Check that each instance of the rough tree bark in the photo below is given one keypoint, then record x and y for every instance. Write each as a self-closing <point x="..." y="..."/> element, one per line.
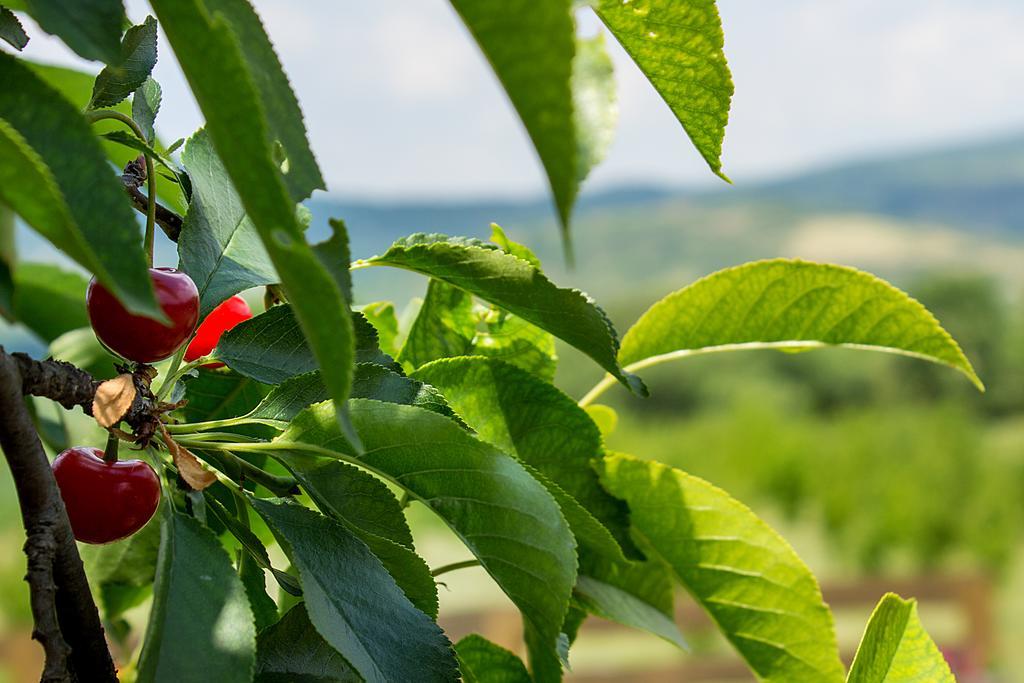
<point x="67" y="623"/>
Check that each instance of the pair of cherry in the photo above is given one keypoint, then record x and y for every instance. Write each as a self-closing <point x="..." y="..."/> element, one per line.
<point x="109" y="499"/>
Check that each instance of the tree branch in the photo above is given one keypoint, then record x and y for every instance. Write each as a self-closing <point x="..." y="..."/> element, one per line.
<point x="67" y="622"/>
<point x="133" y="177"/>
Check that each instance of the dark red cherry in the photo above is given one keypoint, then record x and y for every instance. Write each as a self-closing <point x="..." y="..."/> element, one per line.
<point x="105" y="501"/>
<point x="141" y="339"/>
<point x="220" y="320"/>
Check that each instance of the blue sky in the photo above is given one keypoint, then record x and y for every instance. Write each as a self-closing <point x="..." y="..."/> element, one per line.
<point x="399" y="102"/>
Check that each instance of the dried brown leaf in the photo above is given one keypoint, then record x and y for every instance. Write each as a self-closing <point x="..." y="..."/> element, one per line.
<point x="189" y="467"/>
<point x="113" y="399"/>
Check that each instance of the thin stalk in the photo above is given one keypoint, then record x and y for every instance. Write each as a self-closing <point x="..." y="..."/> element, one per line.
<point x="149" y="237"/>
<point x="464" y="564"/>
<point x="176" y="370"/>
<point x="196" y="428"/>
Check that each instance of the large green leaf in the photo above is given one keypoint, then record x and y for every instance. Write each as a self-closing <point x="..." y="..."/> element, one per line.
<point x="138" y="57"/>
<point x="678" y="46"/>
<point x="279" y="104"/>
<point x="11" y="30"/>
<point x="507" y="337"/>
<point x="53" y="173"/>
<point x="224" y="86"/>
<point x="354" y="603"/>
<point x="481" y="661"/>
<point x="752" y="584"/>
<point x="219" y="246"/>
<point x="49" y="300"/>
<point x="533" y="420"/>
<point x="216" y="395"/>
<point x="444" y="326"/>
<point x="372" y="512"/>
<point x="530" y="46"/>
<point x="896" y="648"/>
<point x="517" y="286"/>
<point x="503" y="515"/>
<point x="200" y="626"/>
<point x="92" y="28"/>
<point x="789" y="304"/>
<point x="292" y="651"/>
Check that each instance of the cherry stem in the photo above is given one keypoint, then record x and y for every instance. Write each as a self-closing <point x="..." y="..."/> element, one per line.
<point x="465" y="564"/>
<point x="148" y="239"/>
<point x="110" y="453"/>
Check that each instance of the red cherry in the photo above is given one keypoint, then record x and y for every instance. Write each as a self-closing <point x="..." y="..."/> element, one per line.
<point x="220" y="320"/>
<point x="138" y="338"/>
<point x="105" y="501"/>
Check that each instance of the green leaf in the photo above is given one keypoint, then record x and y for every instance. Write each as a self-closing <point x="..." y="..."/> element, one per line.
<point x="533" y="420"/>
<point x="615" y="604"/>
<point x="146" y="105"/>
<point x="365" y="505"/>
<point x="509" y="338"/>
<point x="748" y="579"/>
<point x="896" y="648"/>
<point x="354" y="603"/>
<point x="499" y="237"/>
<point x="216" y="395"/>
<point x="530" y="46"/>
<point x="789" y="304"/>
<point x="678" y="46"/>
<point x="335" y="256"/>
<point x="280" y="107"/>
<point x="215" y="65"/>
<point x="515" y="285"/>
<point x="504" y="516"/>
<point x="292" y="651"/>
<point x="92" y="28"/>
<point x="11" y="30"/>
<point x="381" y="314"/>
<point x="481" y="661"/>
<point x="81" y="348"/>
<point x="123" y="572"/>
<point x="597" y="111"/>
<point x="253" y="577"/>
<point x="200" y="626"/>
<point x="49" y="300"/>
<point x="444" y="326"/>
<point x="8" y="258"/>
<point x="138" y="57"/>
<point x="219" y="246"/>
<point x="53" y="172"/>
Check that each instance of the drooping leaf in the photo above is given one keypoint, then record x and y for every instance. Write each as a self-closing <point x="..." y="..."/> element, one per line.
<point x="789" y="304"/>
<point x="49" y="300"/>
<point x="53" y="173"/>
<point x="533" y="420"/>
<point x="292" y="651"/>
<point x="530" y="46"/>
<point x="678" y="46"/>
<point x="200" y="626"/>
<point x="481" y="661"/>
<point x="11" y="30"/>
<point x="280" y="107"/>
<point x="504" y="516"/>
<point x="366" y="506"/>
<point x="92" y="28"/>
<point x="354" y="603"/>
<point x="219" y="246"/>
<point x="896" y="648"/>
<point x="444" y="326"/>
<point x="749" y="580"/>
<point x="138" y="57"/>
<point x="595" y="103"/>
<point x="146" y="105"/>
<point x="236" y="120"/>
<point x="615" y="604"/>
<point x="507" y="281"/>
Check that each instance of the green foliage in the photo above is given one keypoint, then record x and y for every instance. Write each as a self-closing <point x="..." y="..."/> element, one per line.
<point x="791" y="305"/>
<point x="196" y="590"/>
<point x="481" y="661"/>
<point x="517" y="286"/>
<point x="138" y="57"/>
<point x="678" y="46"/>
<point x="146" y="105"/>
<point x="49" y="300"/>
<point x="293" y="651"/>
<point x="11" y="30"/>
<point x="49" y="169"/>
<point x="763" y="598"/>
<point x="92" y="28"/>
<point x="896" y="648"/>
<point x="616" y="604"/>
